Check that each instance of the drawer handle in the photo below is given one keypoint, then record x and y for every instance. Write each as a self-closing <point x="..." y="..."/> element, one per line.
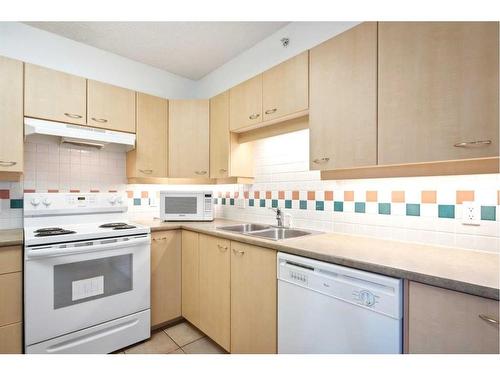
<point x="159" y="239"/>
<point x="146" y="171"/>
<point x="254" y="116"/>
<point x="238" y="252"/>
<point x="102" y="120"/>
<point x="200" y="173"/>
<point x="489" y="319"/>
<point x="222" y="248"/>
<point x="269" y="111"/>
<point x="222" y="170"/>
<point x="72" y="115"/>
<point x="473" y="144"/>
<point x="321" y="160"/>
<point x="7" y="163"/>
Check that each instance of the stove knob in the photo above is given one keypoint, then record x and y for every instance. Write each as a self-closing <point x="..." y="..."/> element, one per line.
<point x="367" y="298"/>
<point x="119" y="200"/>
<point x="112" y="200"/>
<point x="35" y="202"/>
<point x="47" y="202"/>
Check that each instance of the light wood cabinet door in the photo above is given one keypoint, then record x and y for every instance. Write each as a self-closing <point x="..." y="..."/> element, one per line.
<point x="191" y="277"/>
<point x="53" y="95"/>
<point x="149" y="158"/>
<point x="445" y="321"/>
<point x="253" y="299"/>
<point x="343" y="100"/>
<point x="11" y="339"/>
<point x="110" y="107"/>
<point x="285" y="87"/>
<point x="245" y="104"/>
<point x="219" y="136"/>
<point x="11" y="115"/>
<point x="438" y="89"/>
<point x="165" y="276"/>
<point x="10" y="298"/>
<point x="188" y="148"/>
<point x="215" y="289"/>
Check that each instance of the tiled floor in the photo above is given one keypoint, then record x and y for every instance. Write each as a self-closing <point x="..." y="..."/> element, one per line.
<point x="182" y="338"/>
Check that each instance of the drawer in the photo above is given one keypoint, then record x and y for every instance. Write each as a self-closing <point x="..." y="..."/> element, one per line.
<point x="10" y="259"/>
<point x="10" y="298"/>
<point x="11" y="339"/>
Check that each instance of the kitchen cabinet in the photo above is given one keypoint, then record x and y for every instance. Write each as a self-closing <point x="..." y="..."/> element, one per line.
<point x="253" y="299"/>
<point x="165" y="276"/>
<point x="11" y="300"/>
<point x="245" y="107"/>
<point x="343" y="100"/>
<point x="11" y="115"/>
<point x="228" y="158"/>
<point x="285" y="87"/>
<point x="53" y="95"/>
<point x="437" y="91"/>
<point x="110" y="107"/>
<point x="149" y="158"/>
<point x="215" y="292"/>
<point x="190" y="277"/>
<point x="445" y="321"/>
<point x="188" y="137"/>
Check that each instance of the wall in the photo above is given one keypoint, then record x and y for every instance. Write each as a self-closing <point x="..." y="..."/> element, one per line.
<point x="268" y="53"/>
<point x="26" y="43"/>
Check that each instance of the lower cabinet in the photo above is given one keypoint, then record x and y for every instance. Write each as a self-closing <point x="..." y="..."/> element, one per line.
<point x="445" y="321"/>
<point x="253" y="299"/>
<point x="11" y="300"/>
<point x="165" y="276"/>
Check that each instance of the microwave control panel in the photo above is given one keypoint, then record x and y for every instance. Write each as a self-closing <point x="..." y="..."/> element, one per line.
<point x="208" y="202"/>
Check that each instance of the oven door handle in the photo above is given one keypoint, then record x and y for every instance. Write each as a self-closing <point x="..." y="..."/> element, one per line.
<point x="53" y="252"/>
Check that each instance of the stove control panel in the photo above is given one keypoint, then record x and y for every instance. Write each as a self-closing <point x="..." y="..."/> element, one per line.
<point x="55" y="202"/>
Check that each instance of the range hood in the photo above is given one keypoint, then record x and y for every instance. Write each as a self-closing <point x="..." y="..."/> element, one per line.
<point x="80" y="135"/>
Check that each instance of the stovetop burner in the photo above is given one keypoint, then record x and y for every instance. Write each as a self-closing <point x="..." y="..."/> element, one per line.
<point x="125" y="226"/>
<point x="45" y="232"/>
<point x="112" y="225"/>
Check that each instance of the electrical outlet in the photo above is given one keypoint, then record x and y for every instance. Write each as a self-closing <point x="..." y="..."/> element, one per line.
<point x="470" y="213"/>
<point x="240" y="203"/>
<point x="152" y="201"/>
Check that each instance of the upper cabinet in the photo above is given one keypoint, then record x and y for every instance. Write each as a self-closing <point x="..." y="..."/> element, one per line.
<point x="149" y="158"/>
<point x="110" y="107"/>
<point x="343" y="108"/>
<point x="246" y="104"/>
<point x="280" y="92"/>
<point x="53" y="95"/>
<point x="188" y="139"/>
<point x="11" y="115"/>
<point x="228" y="158"/>
<point x="438" y="91"/>
<point x="285" y="88"/>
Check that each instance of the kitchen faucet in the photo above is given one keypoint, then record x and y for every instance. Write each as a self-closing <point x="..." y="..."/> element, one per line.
<point x="279" y="216"/>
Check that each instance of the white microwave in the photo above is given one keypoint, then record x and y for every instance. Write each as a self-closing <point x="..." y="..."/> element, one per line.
<point x="186" y="206"/>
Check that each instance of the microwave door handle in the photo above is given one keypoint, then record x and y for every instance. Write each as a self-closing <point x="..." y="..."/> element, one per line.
<point x="51" y="252"/>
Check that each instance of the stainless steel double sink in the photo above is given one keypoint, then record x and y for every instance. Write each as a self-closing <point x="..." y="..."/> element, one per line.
<point x="267" y="231"/>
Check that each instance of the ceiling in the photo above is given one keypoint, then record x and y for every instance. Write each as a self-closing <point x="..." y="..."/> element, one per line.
<point x="189" y="49"/>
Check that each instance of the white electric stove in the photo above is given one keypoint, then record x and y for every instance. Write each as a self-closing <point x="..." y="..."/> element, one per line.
<point x="86" y="275"/>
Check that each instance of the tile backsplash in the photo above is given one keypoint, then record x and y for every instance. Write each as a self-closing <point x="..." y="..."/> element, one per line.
<point x="419" y="209"/>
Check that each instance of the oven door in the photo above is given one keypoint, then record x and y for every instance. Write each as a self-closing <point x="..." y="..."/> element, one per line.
<point x="180" y="206"/>
<point x="69" y="287"/>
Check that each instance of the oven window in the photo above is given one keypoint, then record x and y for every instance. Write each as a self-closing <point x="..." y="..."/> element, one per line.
<point x="92" y="279"/>
<point x="180" y="205"/>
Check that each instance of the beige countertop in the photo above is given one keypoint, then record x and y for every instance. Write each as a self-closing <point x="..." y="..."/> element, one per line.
<point x="11" y="237"/>
<point x="462" y="270"/>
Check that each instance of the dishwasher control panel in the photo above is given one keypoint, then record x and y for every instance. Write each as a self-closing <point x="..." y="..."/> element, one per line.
<point x="368" y="290"/>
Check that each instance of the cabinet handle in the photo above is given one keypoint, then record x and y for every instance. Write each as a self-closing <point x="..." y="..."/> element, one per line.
<point x="159" y="239"/>
<point x="146" y="171"/>
<point x="473" y="143"/>
<point x="238" y="252"/>
<point x="489" y="319"/>
<point x="222" y="170"/>
<point x="254" y="116"/>
<point x="99" y="119"/>
<point x="222" y="248"/>
<point x="7" y="163"/>
<point x="72" y="115"/>
<point x="200" y="173"/>
<point x="321" y="160"/>
<point x="269" y="111"/>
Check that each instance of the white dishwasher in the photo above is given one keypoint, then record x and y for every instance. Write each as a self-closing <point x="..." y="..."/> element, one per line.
<point x="326" y="308"/>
